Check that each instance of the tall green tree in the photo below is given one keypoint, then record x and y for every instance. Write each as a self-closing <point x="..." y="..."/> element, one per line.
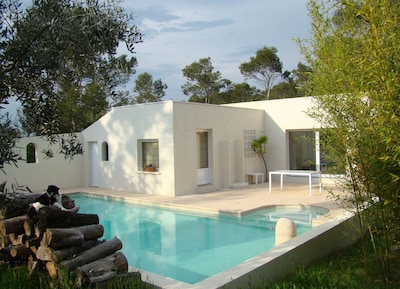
<point x="204" y="84"/>
<point x="265" y="68"/>
<point x="60" y="55"/>
<point x="354" y="53"/>
<point x="293" y="83"/>
<point x="148" y="90"/>
<point x="240" y="92"/>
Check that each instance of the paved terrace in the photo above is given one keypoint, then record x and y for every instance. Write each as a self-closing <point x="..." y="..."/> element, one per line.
<point x="234" y="201"/>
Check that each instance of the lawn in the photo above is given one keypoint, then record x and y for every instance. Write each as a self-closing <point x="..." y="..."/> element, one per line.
<point x="344" y="269"/>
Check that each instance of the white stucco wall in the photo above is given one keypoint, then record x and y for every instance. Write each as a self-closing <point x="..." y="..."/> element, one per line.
<point x="46" y="171"/>
<point x="226" y="126"/>
<point x="282" y="116"/>
<point x="175" y="125"/>
<point x="121" y="128"/>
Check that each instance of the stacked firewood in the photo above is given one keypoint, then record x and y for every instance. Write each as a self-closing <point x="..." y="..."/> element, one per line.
<point x="57" y="239"/>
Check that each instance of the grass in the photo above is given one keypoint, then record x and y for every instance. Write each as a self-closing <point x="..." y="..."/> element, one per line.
<point x="16" y="277"/>
<point x="344" y="269"/>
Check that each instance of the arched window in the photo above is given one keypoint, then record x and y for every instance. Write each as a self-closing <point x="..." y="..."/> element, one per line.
<point x="31" y="153"/>
<point x="104" y="152"/>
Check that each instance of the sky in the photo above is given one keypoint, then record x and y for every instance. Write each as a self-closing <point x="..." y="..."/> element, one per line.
<point x="180" y="32"/>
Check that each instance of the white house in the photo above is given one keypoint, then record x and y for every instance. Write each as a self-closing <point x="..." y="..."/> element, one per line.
<point x="191" y="147"/>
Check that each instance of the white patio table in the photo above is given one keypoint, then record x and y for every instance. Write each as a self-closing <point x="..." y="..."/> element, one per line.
<point x="308" y="174"/>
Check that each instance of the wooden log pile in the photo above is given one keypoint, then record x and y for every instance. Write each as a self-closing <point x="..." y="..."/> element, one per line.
<point x="57" y="239"/>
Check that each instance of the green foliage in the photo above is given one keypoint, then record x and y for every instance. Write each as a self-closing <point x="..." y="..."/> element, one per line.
<point x="203" y="83"/>
<point x="240" y="92"/>
<point x="148" y="90"/>
<point x="264" y="68"/>
<point x="293" y="84"/>
<point x="259" y="146"/>
<point x="354" y="54"/>
<point x="8" y="135"/>
<point x="63" y="55"/>
<point x="17" y="277"/>
<point x="58" y="59"/>
<point x="344" y="269"/>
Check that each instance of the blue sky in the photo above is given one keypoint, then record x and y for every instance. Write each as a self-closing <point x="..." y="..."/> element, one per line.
<point x="179" y="32"/>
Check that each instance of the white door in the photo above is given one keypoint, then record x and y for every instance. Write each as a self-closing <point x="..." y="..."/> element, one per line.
<point x="203" y="169"/>
<point x="94" y="164"/>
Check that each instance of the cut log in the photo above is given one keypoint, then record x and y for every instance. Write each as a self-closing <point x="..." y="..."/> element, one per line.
<point x="63" y="237"/>
<point x="32" y="242"/>
<point x="50" y="217"/>
<point x="102" y="269"/>
<point x="4" y="241"/>
<point x="5" y="254"/>
<point x="45" y="253"/>
<point x="13" y="225"/>
<point x="64" y="253"/>
<point x="20" y="252"/>
<point x="16" y="240"/>
<point x="32" y="265"/>
<point x="100" y="251"/>
<point x="52" y="269"/>
<point x="91" y="232"/>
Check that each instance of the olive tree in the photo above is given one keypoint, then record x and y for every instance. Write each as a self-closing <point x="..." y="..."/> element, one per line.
<point x="58" y="59"/>
<point x="353" y="50"/>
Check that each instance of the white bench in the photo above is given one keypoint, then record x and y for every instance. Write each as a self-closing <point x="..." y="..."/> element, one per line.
<point x="255" y="177"/>
<point x="308" y="174"/>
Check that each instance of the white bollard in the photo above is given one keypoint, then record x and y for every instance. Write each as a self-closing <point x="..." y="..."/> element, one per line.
<point x="284" y="231"/>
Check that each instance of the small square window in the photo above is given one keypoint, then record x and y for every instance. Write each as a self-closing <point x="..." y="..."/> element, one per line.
<point x="148" y="155"/>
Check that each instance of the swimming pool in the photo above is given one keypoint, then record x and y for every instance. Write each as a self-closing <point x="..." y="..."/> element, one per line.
<point x="190" y="247"/>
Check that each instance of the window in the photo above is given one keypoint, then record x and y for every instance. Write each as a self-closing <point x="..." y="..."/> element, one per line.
<point x="104" y="152"/>
<point x="148" y="155"/>
<point x="302" y="150"/>
<point x="31" y="153"/>
<point x="202" y="143"/>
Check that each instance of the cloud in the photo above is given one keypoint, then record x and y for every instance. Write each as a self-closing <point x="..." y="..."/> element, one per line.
<point x="178" y="33"/>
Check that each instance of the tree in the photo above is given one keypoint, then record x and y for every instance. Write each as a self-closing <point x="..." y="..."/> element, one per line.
<point x="265" y="68"/>
<point x="353" y="51"/>
<point x="293" y="84"/>
<point x="203" y="83"/>
<point x="60" y="55"/>
<point x="8" y="135"/>
<point x="240" y="92"/>
<point x="259" y="147"/>
<point x="148" y="90"/>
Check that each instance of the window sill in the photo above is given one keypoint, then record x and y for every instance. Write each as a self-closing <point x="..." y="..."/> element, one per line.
<point x="149" y="173"/>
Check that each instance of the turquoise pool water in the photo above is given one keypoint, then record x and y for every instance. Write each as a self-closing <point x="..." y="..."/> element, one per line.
<point x="189" y="247"/>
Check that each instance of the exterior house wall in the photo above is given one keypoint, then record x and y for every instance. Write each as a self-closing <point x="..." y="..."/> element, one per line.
<point x="282" y="116"/>
<point x="175" y="126"/>
<point x="45" y="171"/>
<point x="121" y="129"/>
<point x="226" y="130"/>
